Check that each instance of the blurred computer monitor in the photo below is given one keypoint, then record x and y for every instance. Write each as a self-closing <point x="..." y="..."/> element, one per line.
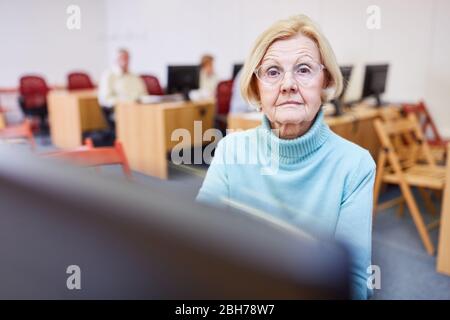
<point x="339" y="101"/>
<point x="182" y="79"/>
<point x="346" y="75"/>
<point x="132" y="241"/>
<point x="375" y="82"/>
<point x="236" y="68"/>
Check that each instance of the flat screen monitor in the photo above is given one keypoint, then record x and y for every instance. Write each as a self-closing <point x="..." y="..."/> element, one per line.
<point x="375" y="81"/>
<point x="346" y="75"/>
<point x="182" y="79"/>
<point x="236" y="69"/>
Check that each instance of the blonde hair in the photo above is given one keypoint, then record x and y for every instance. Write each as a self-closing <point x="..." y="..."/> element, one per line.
<point x="207" y="58"/>
<point x="283" y="29"/>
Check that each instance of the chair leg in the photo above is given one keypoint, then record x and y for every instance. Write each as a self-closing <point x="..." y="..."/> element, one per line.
<point x="417" y="218"/>
<point x="428" y="203"/>
<point x="378" y="180"/>
<point x="401" y="209"/>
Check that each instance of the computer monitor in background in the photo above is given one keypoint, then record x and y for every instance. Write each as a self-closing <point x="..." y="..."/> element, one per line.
<point x="63" y="228"/>
<point x="182" y="79"/>
<point x="339" y="101"/>
<point x="375" y="82"/>
<point x="236" y="68"/>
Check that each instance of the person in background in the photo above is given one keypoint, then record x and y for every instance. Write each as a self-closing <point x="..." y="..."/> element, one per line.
<point x="238" y="104"/>
<point x="118" y="84"/>
<point x="208" y="78"/>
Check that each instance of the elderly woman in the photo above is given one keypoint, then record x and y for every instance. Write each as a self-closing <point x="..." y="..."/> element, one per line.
<point x="321" y="182"/>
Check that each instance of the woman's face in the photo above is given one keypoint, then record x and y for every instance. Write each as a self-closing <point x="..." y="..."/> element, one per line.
<point x="209" y="67"/>
<point x="289" y="101"/>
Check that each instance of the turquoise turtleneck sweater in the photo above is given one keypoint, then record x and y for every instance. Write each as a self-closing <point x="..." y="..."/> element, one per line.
<point x="319" y="182"/>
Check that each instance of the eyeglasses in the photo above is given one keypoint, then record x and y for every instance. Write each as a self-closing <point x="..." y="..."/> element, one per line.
<point x="304" y="73"/>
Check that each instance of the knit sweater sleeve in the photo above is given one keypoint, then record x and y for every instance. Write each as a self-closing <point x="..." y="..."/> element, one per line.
<point x="354" y="226"/>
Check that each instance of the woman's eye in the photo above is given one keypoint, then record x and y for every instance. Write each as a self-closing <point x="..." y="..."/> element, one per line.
<point x="303" y="69"/>
<point x="272" y="72"/>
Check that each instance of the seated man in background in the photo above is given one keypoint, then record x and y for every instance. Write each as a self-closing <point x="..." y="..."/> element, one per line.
<point x="237" y="103"/>
<point x="119" y="85"/>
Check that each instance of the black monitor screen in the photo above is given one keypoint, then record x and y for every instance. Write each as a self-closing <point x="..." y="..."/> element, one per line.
<point x="182" y="79"/>
<point x="236" y="69"/>
<point x="375" y="81"/>
<point x="346" y="74"/>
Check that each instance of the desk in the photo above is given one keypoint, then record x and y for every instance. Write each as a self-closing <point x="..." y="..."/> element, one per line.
<point x="355" y="125"/>
<point x="70" y="114"/>
<point x="2" y="120"/>
<point x="145" y="131"/>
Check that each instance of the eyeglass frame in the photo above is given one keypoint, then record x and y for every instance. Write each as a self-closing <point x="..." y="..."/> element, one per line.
<point x="322" y="67"/>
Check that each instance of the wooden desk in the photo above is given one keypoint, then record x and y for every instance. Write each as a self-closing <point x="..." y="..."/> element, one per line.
<point x="2" y="120"/>
<point x="72" y="113"/>
<point x="355" y="125"/>
<point x="145" y="131"/>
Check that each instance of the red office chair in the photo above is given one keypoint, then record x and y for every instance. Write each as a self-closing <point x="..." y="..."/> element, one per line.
<point x="33" y="98"/>
<point x="223" y="98"/>
<point x="152" y="84"/>
<point x="79" y="81"/>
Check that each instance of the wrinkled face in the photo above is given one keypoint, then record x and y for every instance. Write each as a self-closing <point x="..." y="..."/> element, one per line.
<point x="294" y="98"/>
<point x="123" y="60"/>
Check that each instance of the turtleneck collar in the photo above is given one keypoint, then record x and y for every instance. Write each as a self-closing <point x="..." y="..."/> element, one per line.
<point x="293" y="150"/>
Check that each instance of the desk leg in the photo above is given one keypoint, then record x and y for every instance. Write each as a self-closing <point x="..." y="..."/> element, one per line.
<point x="443" y="257"/>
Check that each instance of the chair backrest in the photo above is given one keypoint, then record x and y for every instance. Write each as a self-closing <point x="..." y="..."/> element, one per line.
<point x="223" y="96"/>
<point x="425" y="119"/>
<point x="89" y="156"/>
<point x="152" y="85"/>
<point x="403" y="140"/>
<point x="33" y="90"/>
<point x="21" y="131"/>
<point x="79" y="81"/>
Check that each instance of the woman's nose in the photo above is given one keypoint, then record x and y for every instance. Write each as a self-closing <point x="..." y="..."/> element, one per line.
<point x="288" y="83"/>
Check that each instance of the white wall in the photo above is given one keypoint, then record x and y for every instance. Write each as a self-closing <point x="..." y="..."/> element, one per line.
<point x="413" y="38"/>
<point x="437" y="83"/>
<point x="34" y="38"/>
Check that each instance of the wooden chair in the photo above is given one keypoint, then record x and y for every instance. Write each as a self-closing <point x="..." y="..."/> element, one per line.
<point x="437" y="144"/>
<point x="89" y="156"/>
<point x="399" y="163"/>
<point x="439" y="153"/>
<point x="19" y="133"/>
